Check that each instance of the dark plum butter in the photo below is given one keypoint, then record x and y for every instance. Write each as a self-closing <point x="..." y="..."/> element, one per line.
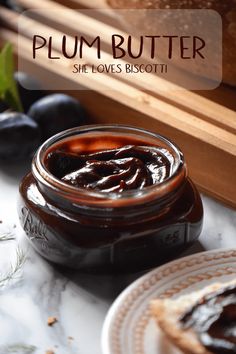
<point x="213" y="319"/>
<point x="115" y="170"/>
<point x="109" y="198"/>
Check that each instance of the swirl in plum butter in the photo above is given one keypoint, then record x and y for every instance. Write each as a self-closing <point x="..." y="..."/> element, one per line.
<point x="214" y="320"/>
<point x="114" y="170"/>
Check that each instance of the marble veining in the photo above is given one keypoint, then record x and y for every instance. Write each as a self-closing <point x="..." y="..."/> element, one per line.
<point x="79" y="301"/>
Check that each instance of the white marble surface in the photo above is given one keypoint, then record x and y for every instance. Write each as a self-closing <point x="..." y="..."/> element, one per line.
<point x="80" y="302"/>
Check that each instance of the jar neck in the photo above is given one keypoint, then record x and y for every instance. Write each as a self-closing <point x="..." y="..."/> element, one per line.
<point x="97" y="203"/>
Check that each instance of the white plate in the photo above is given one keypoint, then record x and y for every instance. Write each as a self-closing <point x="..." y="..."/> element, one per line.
<point x="129" y="327"/>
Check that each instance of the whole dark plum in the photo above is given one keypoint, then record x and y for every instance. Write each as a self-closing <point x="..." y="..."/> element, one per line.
<point x="12" y="4"/>
<point x="19" y="136"/>
<point x="3" y="106"/>
<point x="4" y="3"/>
<point x="57" y="112"/>
<point x="31" y="95"/>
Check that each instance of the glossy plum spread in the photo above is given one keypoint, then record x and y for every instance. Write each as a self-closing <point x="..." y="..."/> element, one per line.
<point x="114" y="170"/>
<point x="214" y="320"/>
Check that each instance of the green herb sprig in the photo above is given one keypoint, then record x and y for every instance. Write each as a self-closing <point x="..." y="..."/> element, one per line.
<point x="8" y="87"/>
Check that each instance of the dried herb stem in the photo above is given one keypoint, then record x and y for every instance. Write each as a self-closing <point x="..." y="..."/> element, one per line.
<point x="7" y="236"/>
<point x="18" y="349"/>
<point x="15" y="268"/>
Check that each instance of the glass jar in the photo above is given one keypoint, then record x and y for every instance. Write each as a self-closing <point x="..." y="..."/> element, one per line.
<point x="97" y="231"/>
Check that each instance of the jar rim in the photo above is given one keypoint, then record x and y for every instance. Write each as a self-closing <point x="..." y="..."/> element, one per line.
<point x="43" y="175"/>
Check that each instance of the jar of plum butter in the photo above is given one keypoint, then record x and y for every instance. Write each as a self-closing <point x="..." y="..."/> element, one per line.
<point x="109" y="198"/>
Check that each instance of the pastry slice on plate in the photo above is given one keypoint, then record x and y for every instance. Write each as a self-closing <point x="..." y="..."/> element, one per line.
<point x="202" y="322"/>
